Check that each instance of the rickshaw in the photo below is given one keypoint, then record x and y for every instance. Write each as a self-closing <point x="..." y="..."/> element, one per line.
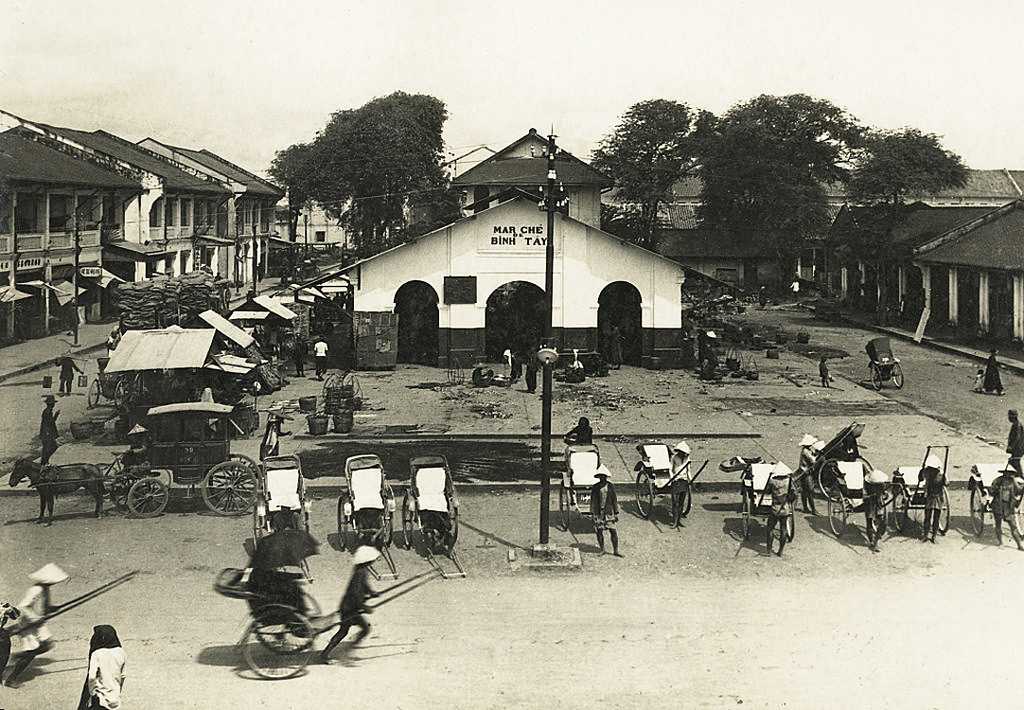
<point x="883" y="365"/>
<point x="983" y="475"/>
<point x="279" y="486"/>
<point x="842" y="447"/>
<point x="582" y="464"/>
<point x="366" y="508"/>
<point x="754" y="490"/>
<point x="909" y="494"/>
<point x="117" y="388"/>
<point x="654" y="478"/>
<point x="189" y="445"/>
<point x="431" y="509"/>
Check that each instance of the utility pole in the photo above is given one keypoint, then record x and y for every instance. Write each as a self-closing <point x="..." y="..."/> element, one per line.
<point x="551" y="203"/>
<point x="74" y="275"/>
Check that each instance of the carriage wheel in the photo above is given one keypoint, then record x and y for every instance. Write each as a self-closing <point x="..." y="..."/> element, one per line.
<point x="563" y="508"/>
<point x="277" y="646"/>
<point x="408" y="521"/>
<point x="897" y="376"/>
<point x="837" y="516"/>
<point x="896" y="508"/>
<point x="907" y="514"/>
<point x="790" y="527"/>
<point x="229" y="488"/>
<point x="147" y="498"/>
<point x="341" y="519"/>
<point x="121" y="393"/>
<point x="977" y="511"/>
<point x="644" y="490"/>
<point x="92" y="397"/>
<point x="876" y="376"/>
<point x="944" y="513"/>
<point x="747" y="511"/>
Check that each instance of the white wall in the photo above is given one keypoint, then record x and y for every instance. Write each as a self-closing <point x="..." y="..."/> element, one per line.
<point x="586" y="260"/>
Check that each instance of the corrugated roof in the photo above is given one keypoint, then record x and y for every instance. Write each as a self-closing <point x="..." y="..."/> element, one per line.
<point x="24" y="159"/>
<point x="993" y="244"/>
<point x="499" y="169"/>
<point x="226" y="328"/>
<point x="686" y="244"/>
<point x="253" y="183"/>
<point x="170" y="348"/>
<point x="175" y="178"/>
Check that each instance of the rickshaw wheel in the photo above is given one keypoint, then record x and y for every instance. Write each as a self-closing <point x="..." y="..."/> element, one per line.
<point x="277" y="647"/>
<point x="341" y="519"/>
<point x="746" y="510"/>
<point x="92" y="397"/>
<point x="563" y="508"/>
<point x="831" y="494"/>
<point x="837" y="516"/>
<point x="896" y="510"/>
<point x="408" y="521"/>
<point x="944" y="513"/>
<point x="455" y="531"/>
<point x="147" y="498"/>
<point x="790" y="527"/>
<point x="897" y="376"/>
<point x="644" y="491"/>
<point x="387" y="528"/>
<point x="977" y="511"/>
<point x="229" y="488"/>
<point x="876" y="376"/>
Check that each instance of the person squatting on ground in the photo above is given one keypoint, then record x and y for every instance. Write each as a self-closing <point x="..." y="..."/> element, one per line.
<point x="804" y="470"/>
<point x="604" y="507"/>
<point x="68" y="368"/>
<point x="353" y="603"/>
<point x="33" y="608"/>
<point x="104" y="680"/>
<point x="1015" y="442"/>
<point x="680" y="476"/>
<point x="874" y="509"/>
<point x="48" y="430"/>
<point x="934" y="485"/>
<point x="1006" y="493"/>
<point x="780" y="485"/>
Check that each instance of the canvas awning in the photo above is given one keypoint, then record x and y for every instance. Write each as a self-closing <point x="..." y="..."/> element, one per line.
<point x="172" y="348"/>
<point x="104" y="279"/>
<point x="249" y="315"/>
<point x="41" y="285"/>
<point x="64" y="291"/>
<point x="232" y="364"/>
<point x="9" y="294"/>
<point x="197" y="407"/>
<point x="124" y="250"/>
<point x="226" y="328"/>
<point x="274" y="307"/>
<point x="214" y="241"/>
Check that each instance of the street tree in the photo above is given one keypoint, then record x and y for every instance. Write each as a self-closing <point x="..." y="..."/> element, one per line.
<point x="371" y="160"/>
<point x="892" y="166"/>
<point x="765" y="167"/>
<point x="655" y="144"/>
<point x="294" y="169"/>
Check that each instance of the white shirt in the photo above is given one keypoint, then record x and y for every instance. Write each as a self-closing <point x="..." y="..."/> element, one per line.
<point x="320" y="349"/>
<point x="106" y="676"/>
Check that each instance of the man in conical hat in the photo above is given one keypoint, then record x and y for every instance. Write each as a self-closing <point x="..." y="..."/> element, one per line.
<point x="934" y="480"/>
<point x="33" y="608"/>
<point x="780" y="487"/>
<point x="353" y="603"/>
<point x="804" y="472"/>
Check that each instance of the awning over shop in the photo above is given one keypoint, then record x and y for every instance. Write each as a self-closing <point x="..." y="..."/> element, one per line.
<point x="249" y="315"/>
<point x="105" y="279"/>
<point x="65" y="290"/>
<point x="123" y="250"/>
<point x="9" y="294"/>
<point x="226" y="328"/>
<point x="42" y="286"/>
<point x="278" y="243"/>
<point x="274" y="307"/>
<point x="213" y="241"/>
<point x="172" y="348"/>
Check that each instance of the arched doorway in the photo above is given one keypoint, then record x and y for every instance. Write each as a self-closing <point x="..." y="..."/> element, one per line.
<point x="618" y="308"/>
<point x="514" y="319"/>
<point x="416" y="307"/>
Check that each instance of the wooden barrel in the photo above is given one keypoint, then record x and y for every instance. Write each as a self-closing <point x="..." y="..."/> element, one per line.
<point x="343" y="421"/>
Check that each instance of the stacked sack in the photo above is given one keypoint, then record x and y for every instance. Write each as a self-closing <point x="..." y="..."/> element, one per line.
<point x="165" y="301"/>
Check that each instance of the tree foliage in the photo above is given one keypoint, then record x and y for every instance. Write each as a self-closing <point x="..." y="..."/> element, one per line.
<point x="765" y="168"/>
<point x="294" y="169"/>
<point x="375" y="168"/>
<point x="655" y="144"/>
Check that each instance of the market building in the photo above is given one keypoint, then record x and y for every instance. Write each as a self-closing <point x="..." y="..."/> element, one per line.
<point x="472" y="289"/>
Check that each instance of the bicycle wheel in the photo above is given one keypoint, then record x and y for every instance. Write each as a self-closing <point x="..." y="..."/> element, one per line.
<point x="977" y="511"/>
<point x="837" y="516"/>
<point x="644" y="491"/>
<point x="277" y="644"/>
<point x="897" y="376"/>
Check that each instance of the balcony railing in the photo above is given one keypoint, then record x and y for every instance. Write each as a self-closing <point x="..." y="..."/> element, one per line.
<point x="61" y="240"/>
<point x="156" y="234"/>
<point x="89" y="238"/>
<point x="30" y="242"/>
<point x="5" y="244"/>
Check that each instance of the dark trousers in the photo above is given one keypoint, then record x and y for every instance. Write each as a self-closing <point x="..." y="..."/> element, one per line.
<point x="300" y="365"/>
<point x="49" y="447"/>
<point x="997" y="515"/>
<point x="348" y="620"/>
<point x="531" y="379"/>
<point x="807" y="494"/>
<point x="774" y="520"/>
<point x="613" y="533"/>
<point x="516" y="371"/>
<point x="824" y="381"/>
<point x="65" y="385"/>
<point x="5" y="651"/>
<point x="874" y="521"/>
<point x="321" y="365"/>
<point x="931" y="517"/>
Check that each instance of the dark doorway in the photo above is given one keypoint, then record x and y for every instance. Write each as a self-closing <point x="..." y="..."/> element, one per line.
<point x="514" y="319"/>
<point x="1000" y="304"/>
<point x="618" y="308"/>
<point x="967" y="297"/>
<point x="416" y="306"/>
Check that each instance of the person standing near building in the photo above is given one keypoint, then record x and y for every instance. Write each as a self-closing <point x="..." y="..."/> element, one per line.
<point x="604" y="508"/>
<point x="48" y="430"/>
<point x="1006" y="492"/>
<point x="320" y="357"/>
<point x="68" y="368"/>
<point x="300" y="350"/>
<point x="614" y="347"/>
<point x="353" y="603"/>
<point x="104" y="680"/>
<point x="1015" y="442"/>
<point x="993" y="382"/>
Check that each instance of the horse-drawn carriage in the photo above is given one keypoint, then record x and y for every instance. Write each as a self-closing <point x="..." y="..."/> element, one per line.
<point x="189" y="445"/>
<point x="882" y="364"/>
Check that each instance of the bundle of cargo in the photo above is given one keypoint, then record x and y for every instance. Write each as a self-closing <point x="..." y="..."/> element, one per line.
<point x="164" y="301"/>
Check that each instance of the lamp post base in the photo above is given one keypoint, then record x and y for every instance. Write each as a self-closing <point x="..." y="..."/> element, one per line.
<point x="545" y="557"/>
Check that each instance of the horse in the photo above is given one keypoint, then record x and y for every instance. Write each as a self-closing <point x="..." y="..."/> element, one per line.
<point x="51" y="481"/>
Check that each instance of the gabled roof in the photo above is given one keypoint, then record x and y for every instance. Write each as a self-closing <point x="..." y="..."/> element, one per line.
<point x="174" y="177"/>
<point x="504" y="169"/>
<point x="992" y="241"/>
<point x="919" y="223"/>
<point x="253" y="183"/>
<point x="23" y="159"/>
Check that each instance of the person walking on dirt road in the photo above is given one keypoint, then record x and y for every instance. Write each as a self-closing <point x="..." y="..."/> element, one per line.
<point x="1006" y="493"/>
<point x="353" y="603"/>
<point x="1015" y="442"/>
<point x="604" y="507"/>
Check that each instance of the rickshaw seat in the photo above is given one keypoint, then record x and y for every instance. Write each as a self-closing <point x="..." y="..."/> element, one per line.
<point x="430" y="483"/>
<point x="658" y="457"/>
<point x="760" y="473"/>
<point x="987" y="472"/>
<point x="583" y="467"/>
<point x="283" y="488"/>
<point x="366" y="485"/>
<point x="853" y="474"/>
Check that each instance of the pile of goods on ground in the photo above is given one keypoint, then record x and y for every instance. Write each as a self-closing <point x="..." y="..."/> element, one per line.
<point x="174" y="300"/>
